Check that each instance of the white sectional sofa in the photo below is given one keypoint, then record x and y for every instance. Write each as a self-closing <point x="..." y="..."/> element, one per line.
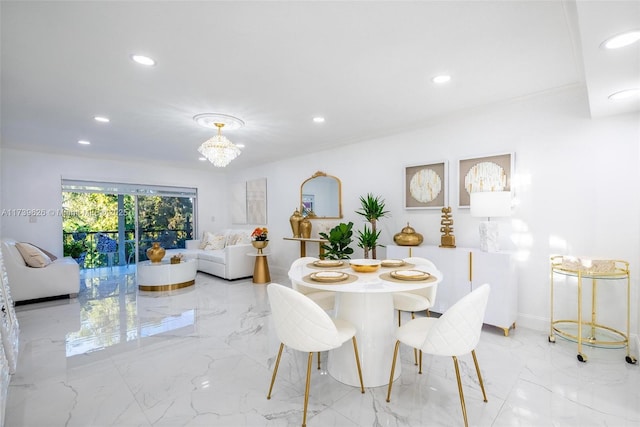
<point x="223" y="254"/>
<point x="59" y="277"/>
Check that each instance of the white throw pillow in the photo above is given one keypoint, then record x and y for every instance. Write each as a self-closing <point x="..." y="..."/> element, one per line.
<point x="33" y="256"/>
<point x="215" y="242"/>
<point x="203" y="241"/>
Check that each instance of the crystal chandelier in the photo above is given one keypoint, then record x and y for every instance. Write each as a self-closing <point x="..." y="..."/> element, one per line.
<point x="219" y="150"/>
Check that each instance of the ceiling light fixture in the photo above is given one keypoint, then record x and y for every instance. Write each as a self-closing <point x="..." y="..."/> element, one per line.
<point x="83" y="142"/>
<point x="622" y="40"/>
<point x="143" y="60"/>
<point x="624" y="94"/>
<point x="441" y="79"/>
<point x="101" y="119"/>
<point x="318" y="119"/>
<point x="219" y="150"/>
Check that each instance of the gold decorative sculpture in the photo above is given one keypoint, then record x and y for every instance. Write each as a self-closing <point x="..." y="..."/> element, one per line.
<point x="447" y="240"/>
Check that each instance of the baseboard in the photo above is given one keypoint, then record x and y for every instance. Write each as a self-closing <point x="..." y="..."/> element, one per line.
<point x="536" y="323"/>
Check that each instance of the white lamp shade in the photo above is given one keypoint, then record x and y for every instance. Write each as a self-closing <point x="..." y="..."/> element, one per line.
<point x="490" y="204"/>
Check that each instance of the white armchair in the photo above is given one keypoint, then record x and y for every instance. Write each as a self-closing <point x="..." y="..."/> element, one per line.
<point x="61" y="277"/>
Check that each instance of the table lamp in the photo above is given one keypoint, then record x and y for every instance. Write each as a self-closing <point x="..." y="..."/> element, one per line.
<point x="490" y="204"/>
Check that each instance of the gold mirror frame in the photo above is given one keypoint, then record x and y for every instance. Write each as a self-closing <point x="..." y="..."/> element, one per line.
<point x="329" y="197"/>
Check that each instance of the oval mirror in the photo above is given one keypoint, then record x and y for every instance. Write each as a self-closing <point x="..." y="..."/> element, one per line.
<point x="321" y="196"/>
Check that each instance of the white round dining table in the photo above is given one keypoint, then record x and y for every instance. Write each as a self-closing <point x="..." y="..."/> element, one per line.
<point x="366" y="301"/>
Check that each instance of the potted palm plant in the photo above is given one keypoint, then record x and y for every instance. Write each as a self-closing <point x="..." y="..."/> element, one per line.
<point x="372" y="209"/>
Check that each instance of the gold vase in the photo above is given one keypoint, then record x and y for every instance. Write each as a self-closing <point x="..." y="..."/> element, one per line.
<point x="259" y="244"/>
<point x="408" y="237"/>
<point x="155" y="253"/>
<point x="305" y="228"/>
<point x="294" y="220"/>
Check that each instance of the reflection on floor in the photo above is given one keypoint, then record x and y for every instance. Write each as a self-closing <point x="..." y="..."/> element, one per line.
<point x="204" y="355"/>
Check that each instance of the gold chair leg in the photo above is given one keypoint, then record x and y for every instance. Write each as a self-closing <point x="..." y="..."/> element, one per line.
<point x="275" y="370"/>
<point x="420" y="365"/>
<point x="475" y="360"/>
<point x="318" y="361"/>
<point x="393" y="369"/>
<point x="415" y="350"/>
<point x="306" y="389"/>
<point x="464" y="409"/>
<point x="355" y="350"/>
<point x="399" y="318"/>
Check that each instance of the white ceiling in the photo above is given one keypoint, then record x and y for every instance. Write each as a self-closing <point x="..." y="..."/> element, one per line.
<point x="364" y="66"/>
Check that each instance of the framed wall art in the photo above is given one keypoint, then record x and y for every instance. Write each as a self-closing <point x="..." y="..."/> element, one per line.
<point x="257" y="201"/>
<point x="249" y="202"/>
<point x="426" y="186"/>
<point x="489" y="173"/>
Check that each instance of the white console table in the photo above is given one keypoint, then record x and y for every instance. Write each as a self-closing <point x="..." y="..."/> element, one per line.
<point x="465" y="269"/>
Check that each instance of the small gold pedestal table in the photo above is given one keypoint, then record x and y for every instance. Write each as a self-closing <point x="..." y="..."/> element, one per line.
<point x="261" y="267"/>
<point x="596" y="334"/>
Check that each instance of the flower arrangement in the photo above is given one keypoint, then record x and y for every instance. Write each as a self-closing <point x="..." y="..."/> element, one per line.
<point x="260" y="234"/>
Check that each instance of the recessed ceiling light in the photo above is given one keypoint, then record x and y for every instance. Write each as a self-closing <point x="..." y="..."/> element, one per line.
<point x="240" y="145"/>
<point x="143" y="60"/>
<point x="202" y="159"/>
<point x="441" y="79"/>
<point x="318" y="119"/>
<point x="83" y="142"/>
<point x="101" y="119"/>
<point x="624" y="94"/>
<point x="622" y="40"/>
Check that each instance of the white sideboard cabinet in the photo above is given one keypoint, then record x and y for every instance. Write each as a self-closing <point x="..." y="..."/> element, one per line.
<point x="465" y="269"/>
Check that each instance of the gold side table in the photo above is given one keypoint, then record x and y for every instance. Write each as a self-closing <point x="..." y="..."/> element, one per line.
<point x="261" y="274"/>
<point x="596" y="333"/>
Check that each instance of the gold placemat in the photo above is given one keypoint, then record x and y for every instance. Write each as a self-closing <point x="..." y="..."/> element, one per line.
<point x="388" y="278"/>
<point x="405" y="266"/>
<point x="349" y="279"/>
<point x="328" y="267"/>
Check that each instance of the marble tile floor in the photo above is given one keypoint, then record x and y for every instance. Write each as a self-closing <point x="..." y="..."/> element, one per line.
<point x="203" y="356"/>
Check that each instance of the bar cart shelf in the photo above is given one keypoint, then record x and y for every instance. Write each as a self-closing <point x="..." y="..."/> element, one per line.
<point x="585" y="331"/>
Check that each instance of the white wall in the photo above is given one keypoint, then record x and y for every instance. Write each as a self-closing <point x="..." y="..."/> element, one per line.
<point x="574" y="190"/>
<point x="33" y="181"/>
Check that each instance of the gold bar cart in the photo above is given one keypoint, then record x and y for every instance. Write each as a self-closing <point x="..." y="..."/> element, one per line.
<point x="595" y="270"/>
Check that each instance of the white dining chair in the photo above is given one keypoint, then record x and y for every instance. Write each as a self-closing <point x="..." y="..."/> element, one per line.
<point x="455" y="333"/>
<point x="303" y="325"/>
<point x="418" y="300"/>
<point x="325" y="299"/>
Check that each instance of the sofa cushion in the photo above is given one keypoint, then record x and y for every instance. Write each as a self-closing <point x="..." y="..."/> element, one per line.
<point x="216" y="256"/>
<point x="33" y="256"/>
